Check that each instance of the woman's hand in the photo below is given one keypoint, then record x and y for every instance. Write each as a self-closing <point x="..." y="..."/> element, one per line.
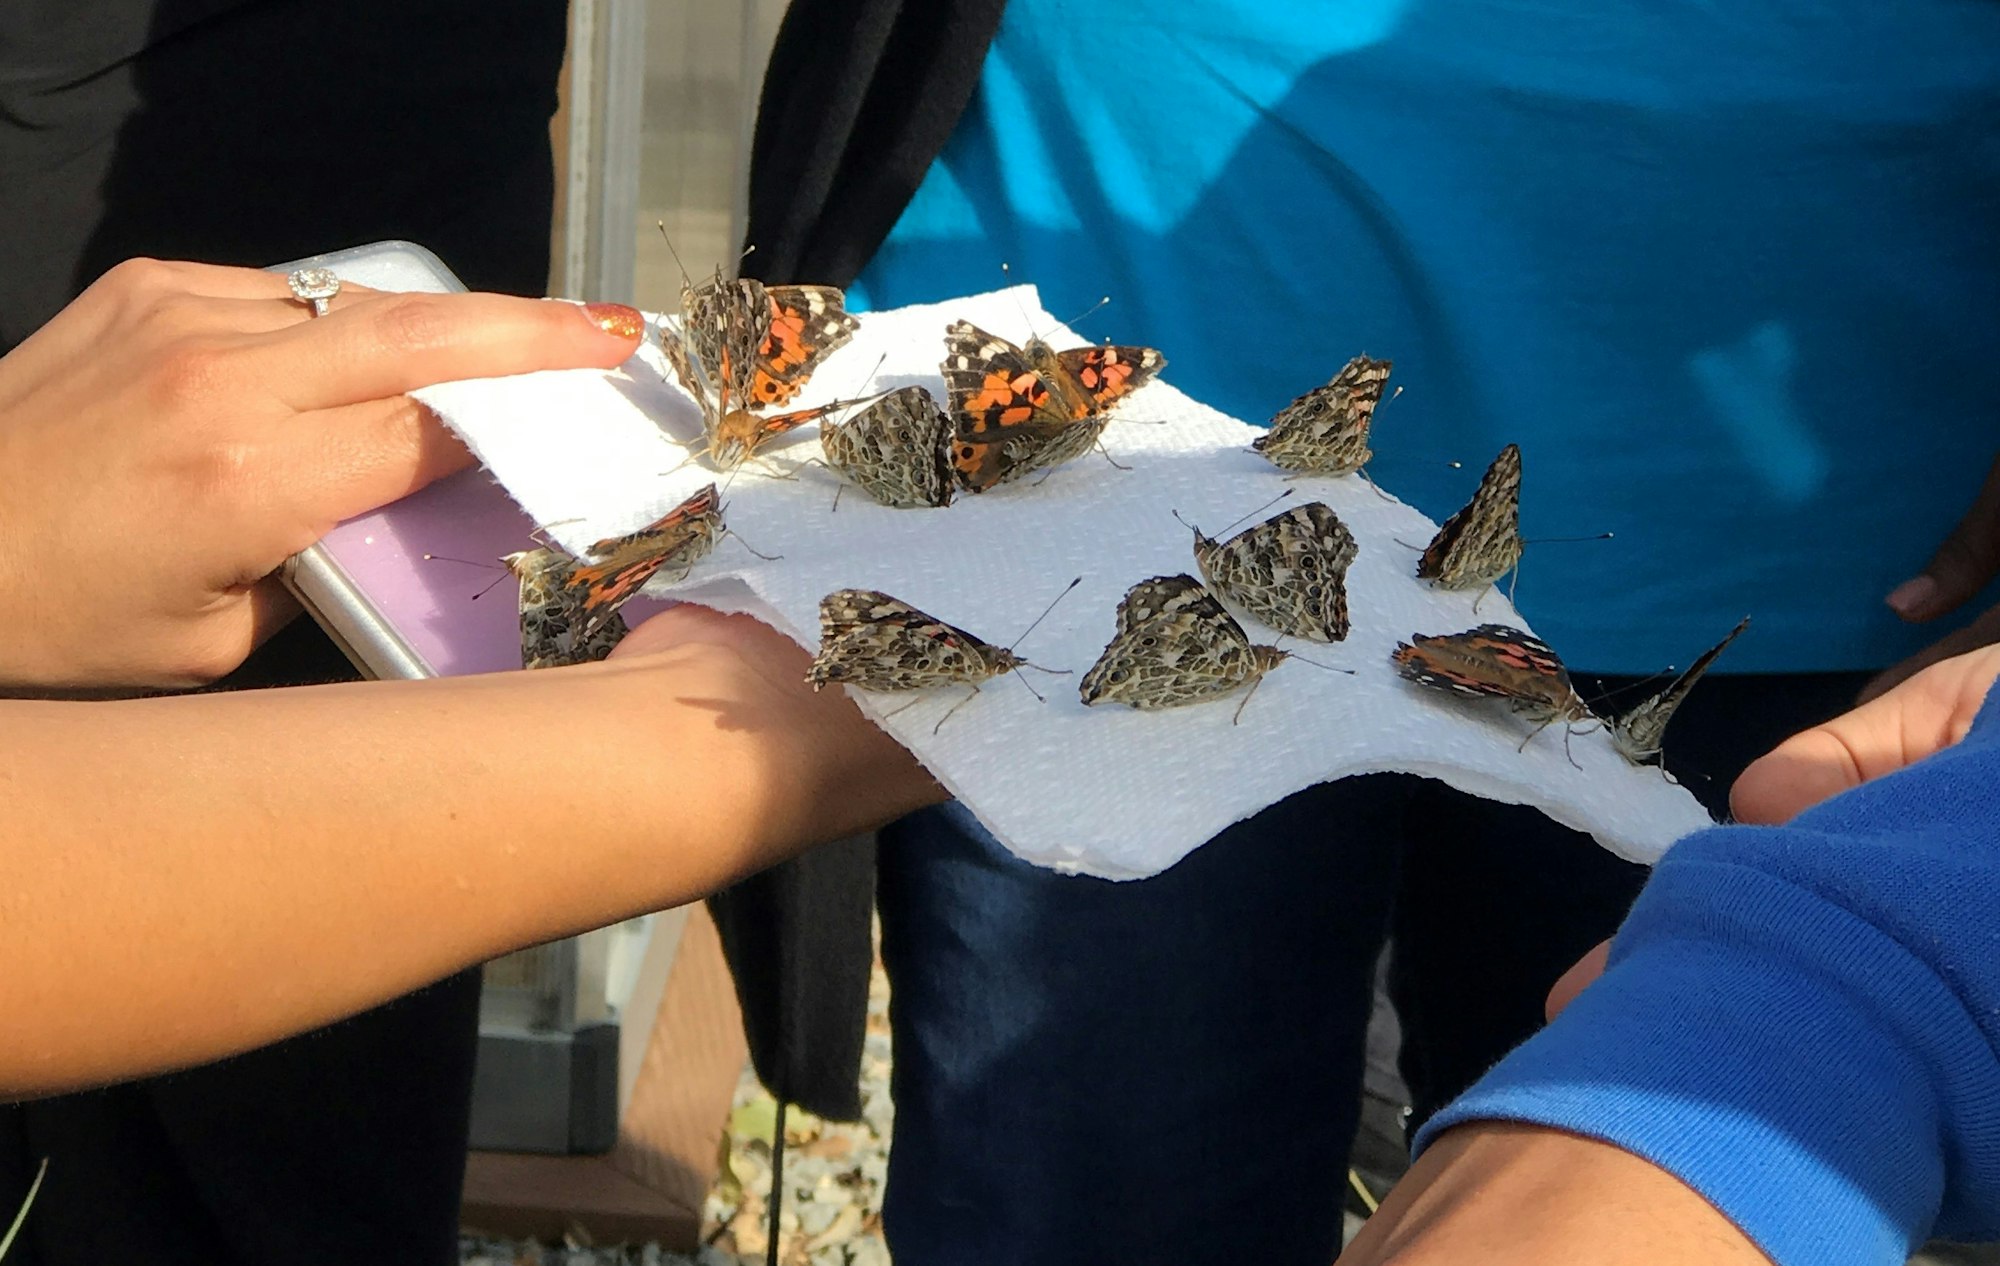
<point x="819" y="768"/>
<point x="1967" y="562"/>
<point x="180" y="429"/>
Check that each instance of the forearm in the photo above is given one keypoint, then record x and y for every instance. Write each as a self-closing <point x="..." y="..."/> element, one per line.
<point x="1510" y="1195"/>
<point x="191" y="876"/>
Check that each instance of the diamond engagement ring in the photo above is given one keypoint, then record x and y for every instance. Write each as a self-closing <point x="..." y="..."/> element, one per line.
<point x="315" y="286"/>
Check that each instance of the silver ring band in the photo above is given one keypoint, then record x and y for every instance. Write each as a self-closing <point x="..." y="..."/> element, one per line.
<point x="315" y="286"/>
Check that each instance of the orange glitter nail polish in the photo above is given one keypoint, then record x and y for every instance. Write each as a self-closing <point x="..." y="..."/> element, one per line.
<point x="616" y="318"/>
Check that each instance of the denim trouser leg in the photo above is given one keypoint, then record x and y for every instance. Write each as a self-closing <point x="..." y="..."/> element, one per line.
<point x="1159" y="1071"/>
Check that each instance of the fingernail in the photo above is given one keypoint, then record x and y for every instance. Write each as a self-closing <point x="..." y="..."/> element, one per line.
<point x="616" y="318"/>
<point x="1912" y="596"/>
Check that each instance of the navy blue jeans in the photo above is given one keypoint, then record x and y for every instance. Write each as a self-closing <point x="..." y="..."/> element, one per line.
<point x="1169" y="1070"/>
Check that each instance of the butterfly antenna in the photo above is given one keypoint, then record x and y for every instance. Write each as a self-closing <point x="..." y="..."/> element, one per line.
<point x="668" y="239"/>
<point x="1027" y="321"/>
<point x="1090" y="311"/>
<point x="490" y="588"/>
<point x="446" y="558"/>
<point x="1316" y="664"/>
<point x="1259" y="510"/>
<point x="1045" y="611"/>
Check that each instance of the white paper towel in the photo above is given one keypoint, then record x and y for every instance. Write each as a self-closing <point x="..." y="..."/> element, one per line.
<point x="1103" y="791"/>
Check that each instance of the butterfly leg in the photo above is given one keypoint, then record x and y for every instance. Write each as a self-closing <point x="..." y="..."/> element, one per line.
<point x="1367" y="479"/>
<point x="896" y="712"/>
<point x="955" y="707"/>
<point x="1548" y="721"/>
<point x="1108" y="457"/>
<point x="1246" y="699"/>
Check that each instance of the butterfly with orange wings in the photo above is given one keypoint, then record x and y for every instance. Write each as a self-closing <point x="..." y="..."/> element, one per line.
<point x="569" y="606"/>
<point x="1021" y="409"/>
<point x="1497" y="661"/>
<point x="744" y="346"/>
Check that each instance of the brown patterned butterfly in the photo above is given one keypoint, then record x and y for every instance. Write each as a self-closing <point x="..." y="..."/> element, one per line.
<point x="732" y="433"/>
<point x="592" y="589"/>
<point x="1638" y="734"/>
<point x="1482" y="542"/>
<point x="1289" y="572"/>
<point x="871" y="640"/>
<point x="1175" y="645"/>
<point x="1325" y="431"/>
<point x="1020" y="409"/>
<point x="552" y="613"/>
<point x="897" y="450"/>
<point x="759" y="344"/>
<point x="1497" y="661"/>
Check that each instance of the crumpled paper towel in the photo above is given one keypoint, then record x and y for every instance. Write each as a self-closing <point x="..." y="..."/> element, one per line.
<point x="1106" y="790"/>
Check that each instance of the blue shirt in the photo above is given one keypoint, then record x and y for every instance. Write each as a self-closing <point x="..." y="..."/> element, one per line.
<point x="1803" y="1022"/>
<point x="1728" y="273"/>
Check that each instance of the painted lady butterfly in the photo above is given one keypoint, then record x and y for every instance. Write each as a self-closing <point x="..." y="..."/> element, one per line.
<point x="1496" y="661"/>
<point x="1020" y="409"/>
<point x="1175" y="645"/>
<point x="1290" y="571"/>
<point x="897" y="450"/>
<point x="1325" y="431"/>
<point x="1638" y="734"/>
<point x="1482" y="542"/>
<point x="552" y="613"/>
<point x="591" y="590"/>
<point x="871" y="640"/>
<point x="744" y="346"/>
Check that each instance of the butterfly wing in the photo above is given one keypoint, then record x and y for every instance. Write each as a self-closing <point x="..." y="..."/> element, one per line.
<point x="621" y="565"/>
<point x="1495" y="661"/>
<point x="1482" y="542"/>
<point x="1105" y="374"/>
<point x="1175" y="645"/>
<point x="1325" y="431"/>
<point x="805" y="325"/>
<point x="877" y="642"/>
<point x="1289" y="572"/>
<point x="1639" y="735"/>
<point x="551" y="618"/>
<point x="725" y="324"/>
<point x="897" y="450"/>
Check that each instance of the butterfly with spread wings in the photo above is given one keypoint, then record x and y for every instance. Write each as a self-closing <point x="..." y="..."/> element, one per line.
<point x="1021" y="409"/>
<point x="744" y="347"/>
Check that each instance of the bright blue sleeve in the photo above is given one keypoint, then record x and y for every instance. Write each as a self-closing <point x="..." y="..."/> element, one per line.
<point x="1803" y="1022"/>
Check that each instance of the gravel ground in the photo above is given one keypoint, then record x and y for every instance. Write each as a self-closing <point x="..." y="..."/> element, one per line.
<point x="834" y="1175"/>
